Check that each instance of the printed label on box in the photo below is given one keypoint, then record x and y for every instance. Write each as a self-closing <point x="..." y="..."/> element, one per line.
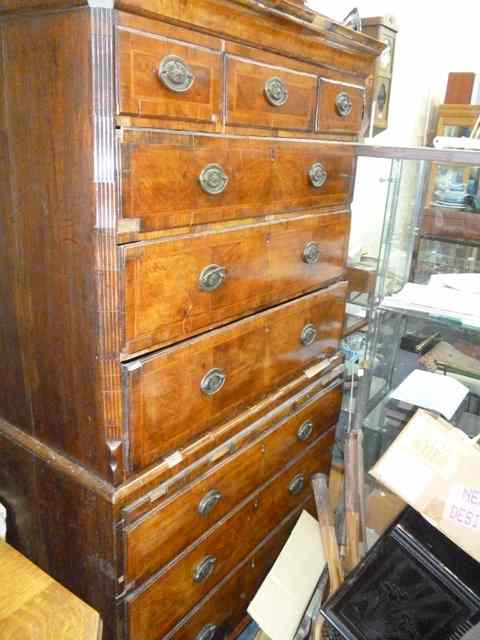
<point x="463" y="506"/>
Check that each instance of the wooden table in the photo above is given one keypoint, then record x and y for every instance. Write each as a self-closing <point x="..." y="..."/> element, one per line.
<point x="33" y="606"/>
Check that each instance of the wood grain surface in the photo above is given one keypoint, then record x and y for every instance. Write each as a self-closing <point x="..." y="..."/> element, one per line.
<point x="329" y="120"/>
<point x="155" y="610"/>
<point x="50" y="281"/>
<point x="161" y="178"/>
<point x="247" y="104"/>
<point x="225" y="605"/>
<point x="166" y="406"/>
<point x="263" y="265"/>
<point x="141" y="91"/>
<point x="35" y="607"/>
<point x="176" y="523"/>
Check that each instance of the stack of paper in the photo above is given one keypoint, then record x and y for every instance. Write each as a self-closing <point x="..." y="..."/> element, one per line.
<point x="466" y="282"/>
<point x="440" y="301"/>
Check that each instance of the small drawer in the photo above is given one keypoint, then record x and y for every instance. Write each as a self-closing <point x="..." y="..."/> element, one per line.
<point x="217" y="179"/>
<point x="340" y="108"/>
<point x="179" y="287"/>
<point x="225" y="606"/>
<point x="259" y="95"/>
<point x="170" y="74"/>
<point x="155" y="608"/>
<point x="178" y="393"/>
<point x="176" y="523"/>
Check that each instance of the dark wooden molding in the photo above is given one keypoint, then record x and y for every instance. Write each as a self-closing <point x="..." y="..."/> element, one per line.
<point x="312" y="24"/>
<point x="106" y="216"/>
<point x="57" y="461"/>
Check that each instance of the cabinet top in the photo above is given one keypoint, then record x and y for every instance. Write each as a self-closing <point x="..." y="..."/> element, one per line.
<point x="298" y="20"/>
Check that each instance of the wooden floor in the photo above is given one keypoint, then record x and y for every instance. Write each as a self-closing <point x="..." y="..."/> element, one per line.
<point x="33" y="606"/>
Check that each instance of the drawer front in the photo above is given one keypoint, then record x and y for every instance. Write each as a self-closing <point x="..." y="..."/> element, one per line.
<point x="179" y="287"/>
<point x="155" y="610"/>
<point x="178" y="522"/>
<point x="225" y="606"/>
<point x="216" y="179"/>
<point x="165" y="77"/>
<point x="181" y="392"/>
<point x="259" y="95"/>
<point x="340" y="108"/>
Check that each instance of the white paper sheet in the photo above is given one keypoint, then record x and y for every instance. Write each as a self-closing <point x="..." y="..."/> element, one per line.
<point x="437" y="300"/>
<point x="466" y="282"/>
<point x="280" y="602"/>
<point x="432" y="391"/>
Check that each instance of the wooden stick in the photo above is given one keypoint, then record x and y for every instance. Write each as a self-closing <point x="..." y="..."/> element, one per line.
<point x="335" y="485"/>
<point x="326" y="522"/>
<point x="352" y="557"/>
<point x="353" y="487"/>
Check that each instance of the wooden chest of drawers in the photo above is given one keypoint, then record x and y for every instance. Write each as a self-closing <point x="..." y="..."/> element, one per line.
<point x="176" y="179"/>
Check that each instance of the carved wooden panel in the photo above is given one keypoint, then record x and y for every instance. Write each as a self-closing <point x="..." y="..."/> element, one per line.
<point x="414" y="584"/>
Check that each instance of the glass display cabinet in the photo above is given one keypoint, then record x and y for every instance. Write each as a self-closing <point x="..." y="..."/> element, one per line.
<point x="449" y="225"/>
<point x="426" y="320"/>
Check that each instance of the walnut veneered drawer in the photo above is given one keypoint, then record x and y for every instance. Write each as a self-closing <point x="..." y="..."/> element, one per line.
<point x="224" y="606"/>
<point x="176" y="394"/>
<point x="340" y="107"/>
<point x="176" y="523"/>
<point x="174" y="180"/>
<point x="155" y="608"/>
<point x="260" y="95"/>
<point x="173" y="74"/>
<point x="178" y="287"/>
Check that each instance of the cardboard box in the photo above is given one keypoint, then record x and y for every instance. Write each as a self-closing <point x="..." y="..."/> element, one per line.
<point x="280" y="602"/>
<point x="435" y="468"/>
<point x="383" y="507"/>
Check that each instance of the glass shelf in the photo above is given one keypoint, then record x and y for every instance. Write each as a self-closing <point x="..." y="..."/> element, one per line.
<point x="417" y="241"/>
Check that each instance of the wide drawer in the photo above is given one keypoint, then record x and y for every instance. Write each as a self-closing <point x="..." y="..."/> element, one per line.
<point x="224" y="607"/>
<point x="340" y="107"/>
<point x="176" y="523"/>
<point x="183" y="180"/>
<point x="172" y="73"/>
<point x="164" y="600"/>
<point x="178" y="287"/>
<point x="261" y="95"/>
<point x="180" y="392"/>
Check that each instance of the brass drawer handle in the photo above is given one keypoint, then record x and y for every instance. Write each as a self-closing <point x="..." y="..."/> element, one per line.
<point x="204" y="569"/>
<point x="207" y="633"/>
<point x="208" y="502"/>
<point x="311" y="253"/>
<point x="276" y="92"/>
<point x="305" y="430"/>
<point x="212" y="382"/>
<point x="211" y="277"/>
<point x="213" y="179"/>
<point x="308" y="335"/>
<point x="175" y="74"/>
<point x="317" y="174"/>
<point x="296" y="485"/>
<point x="344" y="105"/>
